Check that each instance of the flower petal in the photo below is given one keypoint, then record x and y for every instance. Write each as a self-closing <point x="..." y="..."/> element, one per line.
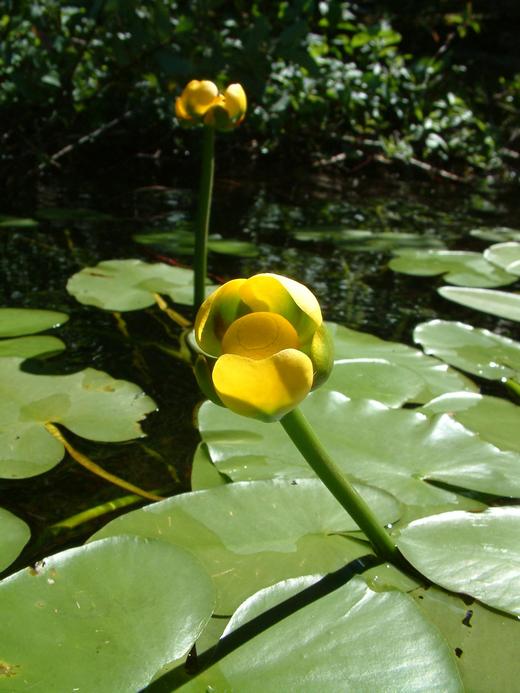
<point x="259" y="335"/>
<point x="265" y="389"/>
<point x="235" y="102"/>
<point x="216" y="314"/>
<point x="292" y="300"/>
<point x="198" y="96"/>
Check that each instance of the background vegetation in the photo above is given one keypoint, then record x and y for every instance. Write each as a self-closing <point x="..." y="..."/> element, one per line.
<point x="434" y="84"/>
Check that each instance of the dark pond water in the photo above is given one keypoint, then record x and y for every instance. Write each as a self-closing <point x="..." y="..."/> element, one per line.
<point x="290" y="218"/>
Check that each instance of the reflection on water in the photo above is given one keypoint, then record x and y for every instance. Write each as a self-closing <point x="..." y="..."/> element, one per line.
<point x="336" y="237"/>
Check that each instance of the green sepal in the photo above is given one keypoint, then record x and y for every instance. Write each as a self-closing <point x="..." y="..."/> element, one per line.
<point x="202" y="370"/>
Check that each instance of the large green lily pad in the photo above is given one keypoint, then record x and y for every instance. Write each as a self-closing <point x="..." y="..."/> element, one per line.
<point x="492" y="418"/>
<point x="477" y="351"/>
<point x="351" y="639"/>
<point x="89" y="403"/>
<point x="506" y="256"/>
<point x="366" y="240"/>
<point x="474" y="553"/>
<point x="457" y="267"/>
<point x="182" y="242"/>
<point x="15" y="322"/>
<point x="436" y="376"/>
<point x="27" y="347"/>
<point x="394" y="449"/>
<point x="130" y="284"/>
<point x="250" y="535"/>
<point x="501" y="303"/>
<point x="102" y="617"/>
<point x="14" y="535"/>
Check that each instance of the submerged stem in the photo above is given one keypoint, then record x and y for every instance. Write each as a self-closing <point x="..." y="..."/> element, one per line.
<point x="84" y="461"/>
<point x="307" y="442"/>
<point x="203" y="214"/>
<point x="172" y="314"/>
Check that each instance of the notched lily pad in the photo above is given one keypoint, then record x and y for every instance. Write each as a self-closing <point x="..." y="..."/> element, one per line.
<point x="477" y="351"/>
<point x="501" y="303"/>
<point x="436" y="377"/>
<point x="182" y="242"/>
<point x="28" y="347"/>
<point x="474" y="553"/>
<point x="15" y="322"/>
<point x="101" y="617"/>
<point x="89" y="403"/>
<point x="14" y="535"/>
<point x="130" y="284"/>
<point x="506" y="256"/>
<point x="496" y="233"/>
<point x="394" y="449"/>
<point x="457" y="267"/>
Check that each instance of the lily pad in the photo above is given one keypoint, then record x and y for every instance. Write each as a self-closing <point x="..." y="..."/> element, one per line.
<point x="436" y="376"/>
<point x="375" y="379"/>
<point x="15" y="322"/>
<point x="476" y="351"/>
<point x="394" y="449"/>
<point x="14" y="535"/>
<point x="457" y="267"/>
<point x="27" y="347"/>
<point x="506" y="256"/>
<point x="250" y="535"/>
<point x="182" y="242"/>
<point x="89" y="403"/>
<point x="366" y="240"/>
<point x="496" y="233"/>
<point x="204" y="474"/>
<point x="351" y="639"/>
<point x="17" y="222"/>
<point x="101" y="617"/>
<point x="501" y="303"/>
<point x="491" y="418"/>
<point x="474" y="553"/>
<point x="130" y="284"/>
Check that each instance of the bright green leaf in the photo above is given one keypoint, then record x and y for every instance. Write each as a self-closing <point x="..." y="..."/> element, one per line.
<point x="27" y="347"/>
<point x="20" y="321"/>
<point x="501" y="303"/>
<point x="496" y="233"/>
<point x="14" y="535"/>
<point x="506" y="256"/>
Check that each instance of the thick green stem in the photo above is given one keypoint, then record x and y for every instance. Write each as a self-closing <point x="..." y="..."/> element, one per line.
<point x="302" y="435"/>
<point x="203" y="215"/>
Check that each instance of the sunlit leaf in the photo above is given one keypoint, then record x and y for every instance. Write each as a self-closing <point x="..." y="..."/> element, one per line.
<point x="457" y="267"/>
<point x="252" y="534"/>
<point x="493" y="419"/>
<point x="351" y="639"/>
<point x="477" y="351"/>
<point x="501" y="303"/>
<point x="14" y="535"/>
<point x="473" y="553"/>
<point x="496" y="233"/>
<point x="505" y="255"/>
<point x="361" y="240"/>
<point x="17" y="222"/>
<point x="436" y="376"/>
<point x="89" y="403"/>
<point x="27" y="347"/>
<point x="394" y="449"/>
<point x="101" y="617"/>
<point x="182" y="242"/>
<point x="15" y="322"/>
<point x="130" y="284"/>
<point x="204" y="474"/>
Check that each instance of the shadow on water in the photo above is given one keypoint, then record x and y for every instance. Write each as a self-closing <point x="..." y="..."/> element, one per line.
<point x="334" y="235"/>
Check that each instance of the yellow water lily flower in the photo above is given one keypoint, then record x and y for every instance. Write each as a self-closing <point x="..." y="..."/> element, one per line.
<point x="201" y="102"/>
<point x="264" y="345"/>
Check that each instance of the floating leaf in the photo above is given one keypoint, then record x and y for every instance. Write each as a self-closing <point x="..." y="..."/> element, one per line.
<point x="253" y="534"/>
<point x="392" y="449"/>
<point x="474" y="350"/>
<point x="101" y="617"/>
<point x="351" y="639"/>
<point x="361" y="239"/>
<point x="457" y="267"/>
<point x="204" y="474"/>
<point x="375" y="379"/>
<point x="17" y="222"/>
<point x="14" y="535"/>
<point x="506" y="256"/>
<point x="496" y="233"/>
<point x="27" y="347"/>
<point x="435" y="375"/>
<point x="130" y="284"/>
<point x="182" y="242"/>
<point x="89" y="403"/>
<point x="474" y="553"/>
<point x="501" y="303"/>
<point x="493" y="419"/>
<point x="20" y="321"/>
<point x="72" y="214"/>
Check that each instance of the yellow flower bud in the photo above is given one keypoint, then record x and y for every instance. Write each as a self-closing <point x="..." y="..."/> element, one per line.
<point x="201" y="102"/>
<point x="265" y="345"/>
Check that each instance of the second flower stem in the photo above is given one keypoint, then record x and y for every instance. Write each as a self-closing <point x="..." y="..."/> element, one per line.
<point x="307" y="442"/>
<point x="203" y="215"/>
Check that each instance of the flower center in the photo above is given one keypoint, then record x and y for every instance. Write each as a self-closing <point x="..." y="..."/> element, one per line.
<point x="259" y="335"/>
